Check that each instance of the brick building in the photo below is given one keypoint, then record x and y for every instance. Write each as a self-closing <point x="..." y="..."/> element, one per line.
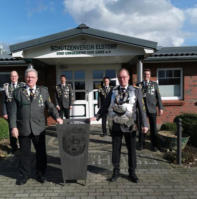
<point x="86" y="55"/>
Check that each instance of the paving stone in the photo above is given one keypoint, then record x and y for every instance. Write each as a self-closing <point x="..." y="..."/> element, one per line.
<point x="158" y="178"/>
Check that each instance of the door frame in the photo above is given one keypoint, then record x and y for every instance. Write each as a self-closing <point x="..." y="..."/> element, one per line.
<point x="89" y="102"/>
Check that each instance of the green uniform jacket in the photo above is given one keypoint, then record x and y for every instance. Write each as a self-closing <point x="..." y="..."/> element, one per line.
<point x="63" y="96"/>
<point x="29" y="116"/>
<point x="151" y="95"/>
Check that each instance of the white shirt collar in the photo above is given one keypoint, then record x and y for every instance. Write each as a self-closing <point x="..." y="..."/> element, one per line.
<point x="14" y="84"/>
<point x="34" y="89"/>
<point x="124" y="87"/>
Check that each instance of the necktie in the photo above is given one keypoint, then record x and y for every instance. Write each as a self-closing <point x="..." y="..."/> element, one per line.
<point x="106" y="89"/>
<point x="31" y="94"/>
<point x="14" y="85"/>
<point x="123" y="90"/>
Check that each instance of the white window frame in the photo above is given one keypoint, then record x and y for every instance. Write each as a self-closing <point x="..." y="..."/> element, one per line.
<point x="181" y="83"/>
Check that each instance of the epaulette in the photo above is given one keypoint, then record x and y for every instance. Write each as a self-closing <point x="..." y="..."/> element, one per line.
<point x="5" y="84"/>
<point x="43" y="87"/>
<point x="22" y="84"/>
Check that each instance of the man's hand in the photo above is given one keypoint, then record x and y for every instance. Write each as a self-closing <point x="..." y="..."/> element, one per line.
<point x="5" y="116"/>
<point x="70" y="107"/>
<point x="15" y="132"/>
<point x="58" y="107"/>
<point x="161" y="112"/>
<point x="93" y="119"/>
<point x="59" y="120"/>
<point x="144" y="130"/>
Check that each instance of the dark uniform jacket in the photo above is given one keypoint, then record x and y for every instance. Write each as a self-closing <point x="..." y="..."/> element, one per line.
<point x="104" y="96"/>
<point x="8" y="95"/>
<point x="29" y="116"/>
<point x="151" y="96"/>
<point x="63" y="96"/>
<point x="136" y="102"/>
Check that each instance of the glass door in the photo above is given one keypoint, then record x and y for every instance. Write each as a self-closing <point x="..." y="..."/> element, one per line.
<point x="97" y="79"/>
<point x="85" y="83"/>
<point x="77" y="78"/>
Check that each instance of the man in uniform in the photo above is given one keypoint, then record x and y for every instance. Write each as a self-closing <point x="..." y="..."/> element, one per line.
<point x="125" y="101"/>
<point x="104" y="95"/>
<point x="7" y="101"/>
<point x="152" y="99"/>
<point x="63" y="97"/>
<point x="27" y="121"/>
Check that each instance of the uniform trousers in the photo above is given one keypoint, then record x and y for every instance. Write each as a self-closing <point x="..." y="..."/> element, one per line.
<point x="104" y="120"/>
<point x="130" y="139"/>
<point x="64" y="112"/>
<point x="153" y="128"/>
<point x="25" y="154"/>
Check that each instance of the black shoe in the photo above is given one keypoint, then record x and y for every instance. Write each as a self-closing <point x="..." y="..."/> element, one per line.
<point x="133" y="178"/>
<point x="154" y="149"/>
<point x="103" y="134"/>
<point x="21" y="180"/>
<point x="40" y="177"/>
<point x="115" y="175"/>
<point x="14" y="150"/>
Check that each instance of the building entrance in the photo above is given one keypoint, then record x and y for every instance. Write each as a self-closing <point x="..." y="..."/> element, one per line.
<point x="85" y="82"/>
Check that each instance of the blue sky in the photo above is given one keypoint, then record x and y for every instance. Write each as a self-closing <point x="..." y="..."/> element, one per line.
<point x="168" y="22"/>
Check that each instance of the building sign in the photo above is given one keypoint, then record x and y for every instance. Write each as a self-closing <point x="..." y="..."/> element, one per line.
<point x="85" y="49"/>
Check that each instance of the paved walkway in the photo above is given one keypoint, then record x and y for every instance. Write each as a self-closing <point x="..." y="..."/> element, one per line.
<point x="158" y="179"/>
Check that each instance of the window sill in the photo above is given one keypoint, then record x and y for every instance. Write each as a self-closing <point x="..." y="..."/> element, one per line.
<point x="173" y="102"/>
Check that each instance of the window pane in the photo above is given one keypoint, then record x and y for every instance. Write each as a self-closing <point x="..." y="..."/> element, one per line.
<point x="113" y="83"/>
<point x="80" y="85"/>
<point x="110" y="73"/>
<point x="95" y="95"/>
<point x="170" y="90"/>
<point x="68" y="75"/>
<point x="97" y="84"/>
<point x="4" y="78"/>
<point x="170" y="85"/>
<point x="80" y="96"/>
<point x="98" y="74"/>
<point x="169" y="81"/>
<point x="169" y="73"/>
<point x="161" y="74"/>
<point x="177" y="73"/>
<point x="79" y="75"/>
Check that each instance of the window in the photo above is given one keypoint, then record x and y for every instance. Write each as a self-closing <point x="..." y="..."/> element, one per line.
<point x="4" y="78"/>
<point x="170" y="83"/>
<point x="77" y="80"/>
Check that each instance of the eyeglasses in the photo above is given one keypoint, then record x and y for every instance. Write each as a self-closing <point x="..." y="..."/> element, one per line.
<point x="123" y="77"/>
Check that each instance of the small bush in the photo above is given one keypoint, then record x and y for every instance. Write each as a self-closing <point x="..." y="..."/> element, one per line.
<point x="4" y="129"/>
<point x="187" y="156"/>
<point x="168" y="127"/>
<point x="189" y="124"/>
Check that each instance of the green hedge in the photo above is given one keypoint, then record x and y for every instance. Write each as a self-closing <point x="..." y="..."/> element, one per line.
<point x="189" y="123"/>
<point x="4" y="129"/>
<point x="168" y="127"/>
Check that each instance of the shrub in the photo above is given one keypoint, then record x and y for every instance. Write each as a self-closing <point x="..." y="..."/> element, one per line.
<point x="4" y="129"/>
<point x="189" y="124"/>
<point x="188" y="156"/>
<point x="168" y="126"/>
